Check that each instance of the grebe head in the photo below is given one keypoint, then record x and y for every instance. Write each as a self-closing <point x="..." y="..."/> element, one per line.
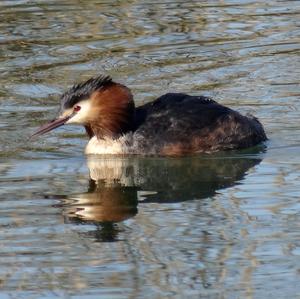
<point x="104" y="107"/>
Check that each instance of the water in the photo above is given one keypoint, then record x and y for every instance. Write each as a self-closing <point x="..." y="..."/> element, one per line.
<point x="213" y="226"/>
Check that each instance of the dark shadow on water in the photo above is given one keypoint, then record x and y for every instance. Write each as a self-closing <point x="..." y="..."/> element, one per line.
<point x="119" y="184"/>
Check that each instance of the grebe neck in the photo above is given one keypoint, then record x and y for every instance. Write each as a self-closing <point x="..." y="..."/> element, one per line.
<point x="113" y="114"/>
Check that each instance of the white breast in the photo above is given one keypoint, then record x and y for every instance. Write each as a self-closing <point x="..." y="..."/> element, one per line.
<point x="122" y="145"/>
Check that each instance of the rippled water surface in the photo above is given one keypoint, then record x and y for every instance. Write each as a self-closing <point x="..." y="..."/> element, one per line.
<point x="212" y="226"/>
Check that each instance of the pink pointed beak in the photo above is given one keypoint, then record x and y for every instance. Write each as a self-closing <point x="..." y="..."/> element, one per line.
<point x="51" y="126"/>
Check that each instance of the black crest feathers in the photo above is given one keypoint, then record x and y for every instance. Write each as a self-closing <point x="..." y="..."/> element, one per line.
<point x="83" y="90"/>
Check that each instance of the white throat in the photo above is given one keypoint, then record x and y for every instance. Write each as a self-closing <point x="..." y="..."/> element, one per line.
<point x="122" y="145"/>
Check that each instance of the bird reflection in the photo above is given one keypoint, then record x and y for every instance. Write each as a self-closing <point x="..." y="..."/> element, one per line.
<point x="103" y="203"/>
<point x="118" y="184"/>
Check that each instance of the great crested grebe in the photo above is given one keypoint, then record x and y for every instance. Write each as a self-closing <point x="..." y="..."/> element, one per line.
<point x="173" y="124"/>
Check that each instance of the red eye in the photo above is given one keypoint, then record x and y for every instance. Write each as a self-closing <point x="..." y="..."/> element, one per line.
<point x="77" y="108"/>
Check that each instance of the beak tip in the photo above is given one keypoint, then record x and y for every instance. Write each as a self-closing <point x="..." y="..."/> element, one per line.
<point x="49" y="126"/>
<point x="32" y="136"/>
